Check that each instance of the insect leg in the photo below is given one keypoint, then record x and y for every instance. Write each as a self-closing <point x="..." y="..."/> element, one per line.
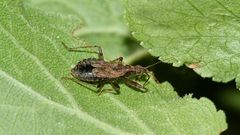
<point x="118" y="60"/>
<point x="136" y="86"/>
<point x="101" y="90"/>
<point x="115" y="87"/>
<point x="77" y="49"/>
<point x="78" y="82"/>
<point x="148" y="77"/>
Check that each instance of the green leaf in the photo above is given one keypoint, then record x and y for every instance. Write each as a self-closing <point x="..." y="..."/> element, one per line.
<point x="101" y="21"/>
<point x="204" y="35"/>
<point x="34" y="99"/>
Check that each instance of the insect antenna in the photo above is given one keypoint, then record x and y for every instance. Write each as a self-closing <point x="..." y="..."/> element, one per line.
<point x="153" y="64"/>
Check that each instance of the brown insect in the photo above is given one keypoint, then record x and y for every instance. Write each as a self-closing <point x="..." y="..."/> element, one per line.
<point x="101" y="72"/>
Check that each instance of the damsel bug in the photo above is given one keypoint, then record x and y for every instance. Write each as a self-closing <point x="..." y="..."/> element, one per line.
<point x="100" y="72"/>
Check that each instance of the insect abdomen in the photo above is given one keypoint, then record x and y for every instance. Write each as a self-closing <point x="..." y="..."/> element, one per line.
<point x="83" y="71"/>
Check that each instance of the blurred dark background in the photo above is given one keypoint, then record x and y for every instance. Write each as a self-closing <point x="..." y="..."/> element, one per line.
<point x="225" y="96"/>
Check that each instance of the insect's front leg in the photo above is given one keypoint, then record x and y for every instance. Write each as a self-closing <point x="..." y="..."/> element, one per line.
<point x="135" y="85"/>
<point x="78" y="49"/>
<point x="118" y="60"/>
<point x="148" y="77"/>
<point x="138" y="77"/>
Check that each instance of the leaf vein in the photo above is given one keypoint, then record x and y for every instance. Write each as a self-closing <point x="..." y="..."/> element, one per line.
<point x="45" y="70"/>
<point x="45" y="37"/>
<point x="80" y="114"/>
<point x="133" y="115"/>
<point x="195" y="7"/>
<point x="228" y="10"/>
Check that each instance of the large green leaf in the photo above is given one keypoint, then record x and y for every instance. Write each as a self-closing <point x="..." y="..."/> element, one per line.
<point x="101" y="21"/>
<point x="34" y="99"/>
<point x="204" y="35"/>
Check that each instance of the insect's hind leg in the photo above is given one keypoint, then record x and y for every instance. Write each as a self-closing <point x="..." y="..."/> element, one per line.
<point x="78" y="49"/>
<point x="78" y="82"/>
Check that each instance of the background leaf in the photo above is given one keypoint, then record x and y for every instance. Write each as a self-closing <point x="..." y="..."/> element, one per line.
<point x="101" y="21"/>
<point x="204" y="35"/>
<point x="34" y="99"/>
